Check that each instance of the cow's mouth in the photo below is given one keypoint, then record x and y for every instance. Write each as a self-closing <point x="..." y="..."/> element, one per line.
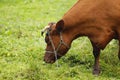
<point x="51" y="61"/>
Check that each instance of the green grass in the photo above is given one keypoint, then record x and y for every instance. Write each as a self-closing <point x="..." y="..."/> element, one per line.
<point x="22" y="46"/>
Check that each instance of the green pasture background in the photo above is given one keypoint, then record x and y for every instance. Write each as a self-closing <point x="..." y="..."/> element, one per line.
<point x="22" y="47"/>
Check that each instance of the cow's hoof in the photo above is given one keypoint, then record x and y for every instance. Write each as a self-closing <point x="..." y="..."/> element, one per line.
<point x="96" y="72"/>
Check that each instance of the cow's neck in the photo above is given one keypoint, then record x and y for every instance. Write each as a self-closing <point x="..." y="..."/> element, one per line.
<point x="95" y="33"/>
<point x="77" y="31"/>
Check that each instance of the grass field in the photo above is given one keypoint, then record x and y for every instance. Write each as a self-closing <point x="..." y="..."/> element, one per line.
<point x="22" y="47"/>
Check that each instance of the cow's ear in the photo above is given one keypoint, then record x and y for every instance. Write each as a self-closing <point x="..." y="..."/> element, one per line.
<point x="60" y="25"/>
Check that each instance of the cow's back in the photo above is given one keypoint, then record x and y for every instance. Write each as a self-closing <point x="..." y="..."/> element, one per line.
<point x="95" y="11"/>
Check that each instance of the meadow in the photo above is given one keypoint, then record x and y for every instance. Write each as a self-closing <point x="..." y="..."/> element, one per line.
<point x="22" y="47"/>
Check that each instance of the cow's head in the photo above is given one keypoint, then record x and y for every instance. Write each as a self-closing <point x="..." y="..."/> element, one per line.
<point x="56" y="40"/>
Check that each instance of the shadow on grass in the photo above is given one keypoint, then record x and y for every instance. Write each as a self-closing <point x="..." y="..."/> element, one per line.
<point x="108" y="70"/>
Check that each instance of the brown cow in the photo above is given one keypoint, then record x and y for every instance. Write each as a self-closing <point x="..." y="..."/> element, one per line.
<point x="99" y="20"/>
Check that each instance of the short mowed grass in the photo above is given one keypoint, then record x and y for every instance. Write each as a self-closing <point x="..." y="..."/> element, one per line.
<point x="22" y="47"/>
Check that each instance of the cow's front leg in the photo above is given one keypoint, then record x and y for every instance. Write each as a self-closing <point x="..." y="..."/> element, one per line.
<point x="96" y="53"/>
<point x="119" y="50"/>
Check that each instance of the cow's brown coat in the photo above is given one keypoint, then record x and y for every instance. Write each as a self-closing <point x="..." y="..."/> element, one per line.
<point x="99" y="20"/>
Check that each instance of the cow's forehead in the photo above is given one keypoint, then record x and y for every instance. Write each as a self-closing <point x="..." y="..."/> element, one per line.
<point x="48" y="28"/>
<point x="51" y="24"/>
